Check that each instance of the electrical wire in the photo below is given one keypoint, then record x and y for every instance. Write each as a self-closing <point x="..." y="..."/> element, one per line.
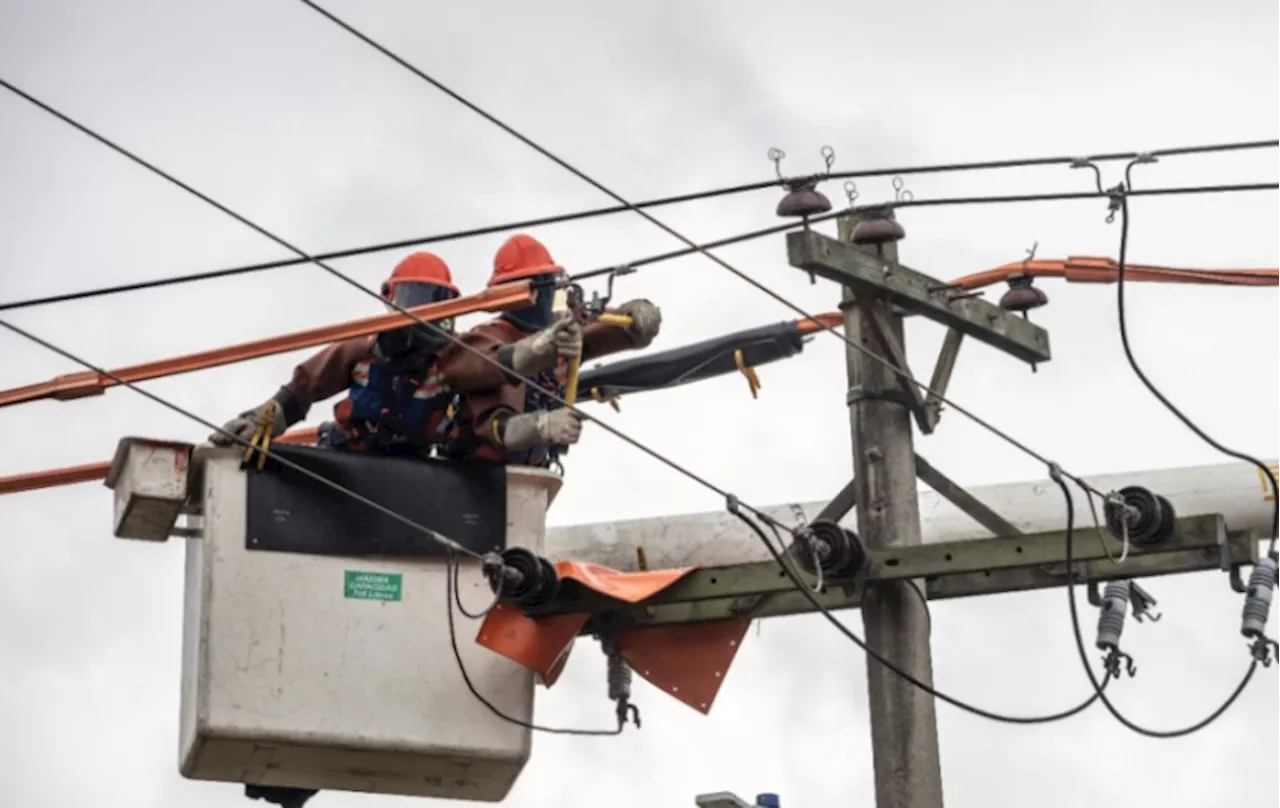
<point x="795" y="580"/>
<point x="462" y="609"/>
<point x="214" y="274"/>
<point x="599" y="186"/>
<point x="1133" y="363"/>
<point x="453" y="546"/>
<point x="1059" y="196"/>
<point x="451" y="584"/>
<point x="453" y="338"/>
<point x="439" y="538"/>
<point x="800" y="586"/>
<point x="1056" y="475"/>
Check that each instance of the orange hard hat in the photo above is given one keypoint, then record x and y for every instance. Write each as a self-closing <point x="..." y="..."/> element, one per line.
<point x="421" y="267"/>
<point x="521" y="256"/>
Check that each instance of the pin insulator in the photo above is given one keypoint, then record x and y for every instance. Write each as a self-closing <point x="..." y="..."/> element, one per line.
<point x="803" y="200"/>
<point x="1023" y="295"/>
<point x="877" y="227"/>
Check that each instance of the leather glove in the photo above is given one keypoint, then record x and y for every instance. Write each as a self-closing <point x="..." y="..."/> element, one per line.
<point x="538" y="352"/>
<point x="646" y="320"/>
<point x="560" y="427"/>
<point x="243" y="425"/>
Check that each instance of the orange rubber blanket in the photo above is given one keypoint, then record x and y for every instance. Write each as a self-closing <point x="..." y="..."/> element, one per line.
<point x="689" y="662"/>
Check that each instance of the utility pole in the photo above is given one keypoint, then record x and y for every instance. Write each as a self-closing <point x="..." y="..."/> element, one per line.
<point x="904" y="729"/>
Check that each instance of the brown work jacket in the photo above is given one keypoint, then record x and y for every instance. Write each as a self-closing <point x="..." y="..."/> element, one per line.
<point x="480" y="408"/>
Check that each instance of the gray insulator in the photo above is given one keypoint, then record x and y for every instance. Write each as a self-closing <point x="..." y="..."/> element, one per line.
<point x="1257" y="602"/>
<point x="1115" y="607"/>
<point x="619" y="676"/>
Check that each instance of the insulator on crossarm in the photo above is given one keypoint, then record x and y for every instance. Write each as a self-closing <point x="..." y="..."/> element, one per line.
<point x="522" y="577"/>
<point x="1115" y="607"/>
<point x="1257" y="599"/>
<point x="1147" y="518"/>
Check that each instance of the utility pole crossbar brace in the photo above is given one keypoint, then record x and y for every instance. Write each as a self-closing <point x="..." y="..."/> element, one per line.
<point x="958" y="569"/>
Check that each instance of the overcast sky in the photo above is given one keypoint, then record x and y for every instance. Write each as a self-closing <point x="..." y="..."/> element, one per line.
<point x="278" y="113"/>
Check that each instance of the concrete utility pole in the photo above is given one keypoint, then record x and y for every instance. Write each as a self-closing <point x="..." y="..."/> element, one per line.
<point x="904" y="730"/>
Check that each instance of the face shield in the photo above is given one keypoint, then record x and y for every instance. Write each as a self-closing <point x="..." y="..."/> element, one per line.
<point x="547" y="301"/>
<point x="416" y="339"/>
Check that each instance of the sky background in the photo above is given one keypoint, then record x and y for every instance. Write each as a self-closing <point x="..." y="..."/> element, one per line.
<point x="276" y="112"/>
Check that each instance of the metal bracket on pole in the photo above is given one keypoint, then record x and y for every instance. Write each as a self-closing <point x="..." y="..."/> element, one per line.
<point x="963" y="500"/>
<point x="870" y="275"/>
<point x="839" y="508"/>
<point x="883" y="333"/>
<point x="942" y="374"/>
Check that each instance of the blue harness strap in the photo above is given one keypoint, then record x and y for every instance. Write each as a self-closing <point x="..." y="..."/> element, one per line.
<point x="392" y="413"/>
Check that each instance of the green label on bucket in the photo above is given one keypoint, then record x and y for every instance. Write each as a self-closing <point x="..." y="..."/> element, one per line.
<point x="372" y="585"/>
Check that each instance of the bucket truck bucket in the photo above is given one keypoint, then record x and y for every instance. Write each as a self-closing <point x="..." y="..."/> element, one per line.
<point x="316" y="643"/>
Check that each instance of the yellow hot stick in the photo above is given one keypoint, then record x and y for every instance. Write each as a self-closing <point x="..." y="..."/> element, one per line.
<point x="575" y="364"/>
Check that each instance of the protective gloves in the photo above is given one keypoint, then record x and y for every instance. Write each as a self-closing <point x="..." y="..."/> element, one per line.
<point x="546" y="428"/>
<point x="646" y="320"/>
<point x="537" y="352"/>
<point x="243" y="425"/>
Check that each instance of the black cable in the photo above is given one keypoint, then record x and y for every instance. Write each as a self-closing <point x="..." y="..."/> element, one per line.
<point x="451" y="583"/>
<point x="1060" y="196"/>
<point x="1070" y="195"/>
<point x="1133" y="363"/>
<point x="855" y="345"/>
<point x="214" y="274"/>
<point x="905" y="675"/>
<point x="1056" y="475"/>
<point x="439" y="538"/>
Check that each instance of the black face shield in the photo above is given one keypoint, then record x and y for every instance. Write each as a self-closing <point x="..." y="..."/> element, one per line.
<point x="415" y="341"/>
<point x="537" y="316"/>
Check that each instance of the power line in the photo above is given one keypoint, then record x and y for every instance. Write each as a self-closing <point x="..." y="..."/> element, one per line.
<point x="320" y="478"/>
<point x="903" y="372"/>
<point x="730" y="501"/>
<point x="404" y="520"/>
<point x="245" y="269"/>
<point x="1155" y="391"/>
<point x="453" y="338"/>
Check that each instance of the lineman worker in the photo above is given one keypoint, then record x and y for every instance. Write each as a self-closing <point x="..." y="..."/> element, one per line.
<point x="398" y="386"/>
<point x="518" y="423"/>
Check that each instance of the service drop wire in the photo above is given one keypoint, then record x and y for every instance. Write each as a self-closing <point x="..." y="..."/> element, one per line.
<point x="1057" y="476"/>
<point x="903" y="373"/>
<point x="1123" y="194"/>
<point x="451" y="594"/>
<point x="228" y="272"/>
<point x="818" y="606"/>
<point x="442" y="540"/>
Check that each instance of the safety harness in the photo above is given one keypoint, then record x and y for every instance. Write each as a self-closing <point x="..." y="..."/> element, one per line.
<point x="389" y="411"/>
